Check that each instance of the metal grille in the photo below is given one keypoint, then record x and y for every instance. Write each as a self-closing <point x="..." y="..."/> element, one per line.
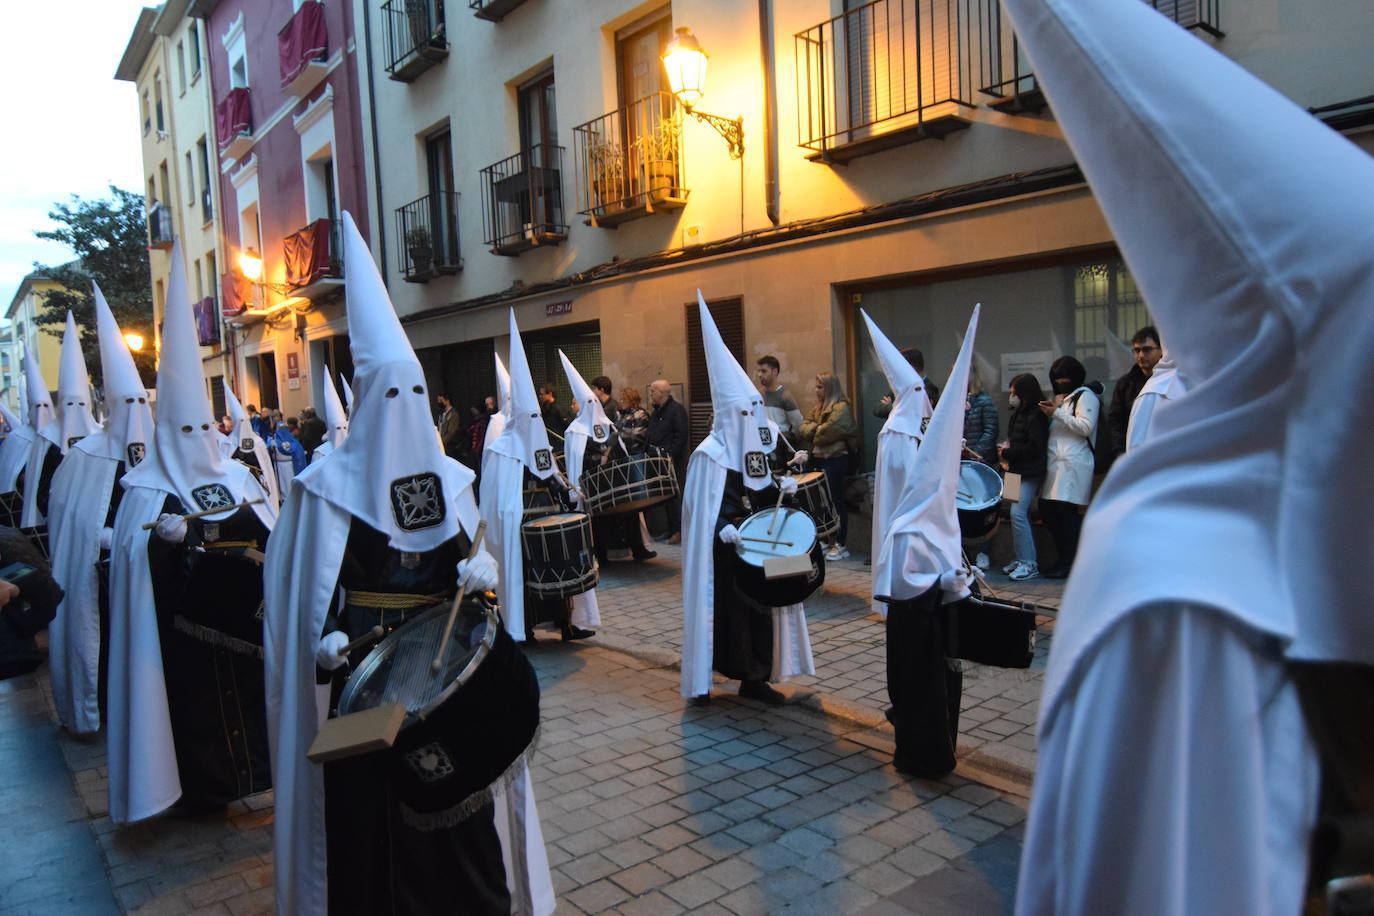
<point x="414" y="35"/>
<point x="630" y="157"/>
<point x="1105" y="297"/>
<point x="427" y="236"/>
<point x="522" y="200"/>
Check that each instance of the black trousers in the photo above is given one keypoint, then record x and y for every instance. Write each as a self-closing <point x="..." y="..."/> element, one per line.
<point x="1064" y="523"/>
<point x="924" y="684"/>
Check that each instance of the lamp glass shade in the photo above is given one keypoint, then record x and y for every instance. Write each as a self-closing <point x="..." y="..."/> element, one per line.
<point x="134" y="340"/>
<point x="250" y="265"/>
<point x="685" y="63"/>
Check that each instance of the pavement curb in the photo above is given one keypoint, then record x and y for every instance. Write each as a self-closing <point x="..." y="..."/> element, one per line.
<point x="874" y="729"/>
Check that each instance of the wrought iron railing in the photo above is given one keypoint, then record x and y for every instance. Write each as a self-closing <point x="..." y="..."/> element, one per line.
<point x="630" y="157"/>
<point x="427" y="236"/>
<point x="493" y="10"/>
<point x="160" y="232"/>
<point x="522" y="199"/>
<point x="415" y="37"/>
<point x="312" y="254"/>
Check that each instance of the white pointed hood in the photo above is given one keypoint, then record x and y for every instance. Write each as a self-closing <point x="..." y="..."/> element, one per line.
<point x="41" y="411"/>
<point x="741" y="433"/>
<point x="12" y="422"/>
<point x="923" y="540"/>
<point x="185" y="459"/>
<point x="1246" y="223"/>
<point x="347" y="395"/>
<point x="497" y="423"/>
<point x="335" y="420"/>
<point x="1120" y="359"/>
<point x="911" y="402"/>
<point x="74" y="420"/>
<point x="524" y="437"/>
<point x="128" y="431"/>
<point x="591" y="420"/>
<point x="392" y="473"/>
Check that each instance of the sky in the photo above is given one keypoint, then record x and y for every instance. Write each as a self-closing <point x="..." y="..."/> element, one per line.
<point x="71" y="128"/>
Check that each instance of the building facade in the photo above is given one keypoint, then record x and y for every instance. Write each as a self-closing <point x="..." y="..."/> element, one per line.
<point x="894" y="155"/>
<point x="23" y="334"/>
<point x="289" y="142"/>
<point x="166" y="60"/>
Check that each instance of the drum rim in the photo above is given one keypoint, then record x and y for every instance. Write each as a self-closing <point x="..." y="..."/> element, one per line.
<point x="386" y="647"/>
<point x="570" y="520"/>
<point x="789" y="510"/>
<point x="983" y="471"/>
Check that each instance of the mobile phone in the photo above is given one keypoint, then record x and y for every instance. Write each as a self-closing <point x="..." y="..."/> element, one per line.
<point x="14" y="573"/>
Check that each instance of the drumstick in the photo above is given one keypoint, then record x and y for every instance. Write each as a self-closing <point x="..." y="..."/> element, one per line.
<point x="437" y="664"/>
<point x="247" y="502"/>
<point x="776" y="509"/>
<point x="766" y="541"/>
<point x="373" y="634"/>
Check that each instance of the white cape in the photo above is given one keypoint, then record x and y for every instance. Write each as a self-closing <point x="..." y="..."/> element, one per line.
<point x="14" y="455"/>
<point x="701" y="499"/>
<point x="78" y="502"/>
<point x="892" y="475"/>
<point x="33" y="472"/>
<point x="303" y="560"/>
<point x="503" y="509"/>
<point x="586" y="610"/>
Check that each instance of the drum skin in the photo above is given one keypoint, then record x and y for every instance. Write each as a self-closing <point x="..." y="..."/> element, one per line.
<point x="977" y="499"/>
<point x="748" y="567"/>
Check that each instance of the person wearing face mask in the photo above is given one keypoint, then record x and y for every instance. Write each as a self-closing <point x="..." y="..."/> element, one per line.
<point x="83" y="502"/>
<point x="187" y="718"/>
<point x="1069" y="469"/>
<point x="73" y="423"/>
<point x="377" y="534"/>
<point x="1024" y="453"/>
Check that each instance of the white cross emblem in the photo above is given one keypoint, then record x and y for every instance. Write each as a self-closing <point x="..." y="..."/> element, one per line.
<point x="417" y="502"/>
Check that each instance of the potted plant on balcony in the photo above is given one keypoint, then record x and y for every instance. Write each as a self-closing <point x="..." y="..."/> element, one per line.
<point x="606" y="165"/>
<point x="660" y="153"/>
<point x="420" y="248"/>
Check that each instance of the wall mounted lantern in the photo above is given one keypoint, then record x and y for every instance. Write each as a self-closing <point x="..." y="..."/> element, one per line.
<point x="685" y="63"/>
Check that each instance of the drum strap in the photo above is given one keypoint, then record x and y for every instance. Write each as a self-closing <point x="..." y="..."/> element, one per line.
<point x="216" y="638"/>
<point x="394" y="601"/>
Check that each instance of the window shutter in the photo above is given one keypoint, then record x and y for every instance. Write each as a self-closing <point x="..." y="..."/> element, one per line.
<point x="729" y="317"/>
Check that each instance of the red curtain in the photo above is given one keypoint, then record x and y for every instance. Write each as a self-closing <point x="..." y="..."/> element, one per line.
<point x="302" y="41"/>
<point x="306" y="254"/>
<point x="238" y="294"/>
<point x="232" y="116"/>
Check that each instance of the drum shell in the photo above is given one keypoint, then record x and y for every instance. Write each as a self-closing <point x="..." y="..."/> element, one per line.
<point x="560" y="560"/>
<point x="813" y="495"/>
<point x="750" y="581"/>
<point x="630" y="484"/>
<point x="978" y="513"/>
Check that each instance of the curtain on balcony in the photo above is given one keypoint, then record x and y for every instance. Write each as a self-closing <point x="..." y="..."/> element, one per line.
<point x="238" y="294"/>
<point x="302" y="41"/>
<point x="232" y="116"/>
<point x="207" y="321"/>
<point x="307" y="254"/>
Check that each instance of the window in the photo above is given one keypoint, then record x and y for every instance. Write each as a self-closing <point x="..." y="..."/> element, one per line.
<point x="193" y="36"/>
<point x="190" y="182"/>
<point x="638" y="50"/>
<point x="181" y="67"/>
<point x="200" y="283"/>
<point x="207" y="205"/>
<point x="147" y="114"/>
<point x="238" y="73"/>
<point x="210" y="271"/>
<point x="157" y="97"/>
<point x="152" y="192"/>
<point x="439" y="170"/>
<point x="162" y="184"/>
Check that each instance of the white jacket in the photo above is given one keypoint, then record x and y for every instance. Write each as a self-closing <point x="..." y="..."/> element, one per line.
<point x="1073" y="428"/>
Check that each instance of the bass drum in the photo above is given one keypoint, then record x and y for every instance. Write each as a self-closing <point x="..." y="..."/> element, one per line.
<point x="778" y="533"/>
<point x="977" y="499"/>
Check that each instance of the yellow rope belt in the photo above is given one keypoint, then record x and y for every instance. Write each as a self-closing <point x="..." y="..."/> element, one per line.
<point x="393" y="601"/>
<point x="231" y="545"/>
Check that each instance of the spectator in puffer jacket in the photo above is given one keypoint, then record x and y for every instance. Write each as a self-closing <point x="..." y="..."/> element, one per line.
<point x="980" y="420"/>
<point x="1028" y="432"/>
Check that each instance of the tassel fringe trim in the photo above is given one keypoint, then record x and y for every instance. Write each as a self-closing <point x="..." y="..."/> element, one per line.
<point x="429" y="821"/>
<point x="216" y="638"/>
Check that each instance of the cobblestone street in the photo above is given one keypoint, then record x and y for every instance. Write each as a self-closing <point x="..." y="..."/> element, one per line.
<point x="648" y="805"/>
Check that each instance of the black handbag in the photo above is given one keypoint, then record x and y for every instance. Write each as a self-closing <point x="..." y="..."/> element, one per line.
<point x="990" y="631"/>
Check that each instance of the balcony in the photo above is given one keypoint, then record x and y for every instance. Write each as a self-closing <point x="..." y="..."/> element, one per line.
<point x="427" y="232"/>
<point x="160" y="233"/>
<point x="1007" y="76"/>
<point x="302" y="46"/>
<point x="234" y="124"/>
<point x="415" y="37"/>
<point x="311" y="270"/>
<point x="630" y="163"/>
<point x="522" y="200"/>
<point x="887" y="73"/>
<point x="492" y="10"/>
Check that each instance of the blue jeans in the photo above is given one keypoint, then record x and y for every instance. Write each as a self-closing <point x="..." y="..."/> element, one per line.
<point x="1021" y="537"/>
<point x="835" y="470"/>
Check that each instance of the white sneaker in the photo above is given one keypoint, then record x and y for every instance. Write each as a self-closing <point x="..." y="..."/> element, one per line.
<point x="837" y="552"/>
<point x="1006" y="570"/>
<point x="1024" y="571"/>
<point x="982" y="561"/>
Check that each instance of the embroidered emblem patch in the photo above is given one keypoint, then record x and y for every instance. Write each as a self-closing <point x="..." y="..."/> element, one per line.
<point x="134" y="453"/>
<point x="417" y="502"/>
<point x="543" y="459"/>
<point x="213" y="496"/>
<point x="755" y="465"/>
<point x="766" y="435"/>
<point x="431" y="762"/>
<point x="72" y="440"/>
<point x="210" y="531"/>
<point x="245" y="445"/>
<point x="410" y="560"/>
<point x="598" y="431"/>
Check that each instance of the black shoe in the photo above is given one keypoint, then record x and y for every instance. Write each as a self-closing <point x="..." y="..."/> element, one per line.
<point x="643" y="555"/>
<point x="571" y="632"/>
<point x="868" y="561"/>
<point x="758" y="690"/>
<point x="703" y="700"/>
<point x="1058" y="572"/>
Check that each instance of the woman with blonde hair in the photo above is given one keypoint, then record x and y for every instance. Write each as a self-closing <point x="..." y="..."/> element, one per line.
<point x="826" y="432"/>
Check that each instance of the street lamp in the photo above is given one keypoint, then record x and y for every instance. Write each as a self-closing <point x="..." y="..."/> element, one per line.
<point x="685" y="62"/>
<point x="250" y="265"/>
<point x="134" y="340"/>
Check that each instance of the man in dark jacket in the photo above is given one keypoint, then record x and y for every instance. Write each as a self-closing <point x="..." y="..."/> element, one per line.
<point x="555" y="418"/>
<point x="918" y="362"/>
<point x="1145" y="346"/>
<point x="312" y="431"/>
<point x="668" y="431"/>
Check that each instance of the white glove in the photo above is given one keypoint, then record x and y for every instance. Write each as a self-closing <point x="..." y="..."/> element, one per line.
<point x="477" y="574"/>
<point x="788" y="486"/>
<point x="328" y="655"/>
<point x="799" y="459"/>
<point x="954" y="583"/>
<point x="171" y="528"/>
<point x="729" y="535"/>
<point x="106" y="538"/>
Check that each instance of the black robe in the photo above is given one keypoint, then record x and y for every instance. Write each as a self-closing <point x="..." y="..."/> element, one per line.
<point x="924" y="683"/>
<point x="742" y="648"/>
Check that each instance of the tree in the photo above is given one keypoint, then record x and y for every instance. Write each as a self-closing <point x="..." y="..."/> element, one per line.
<point x="109" y="237"/>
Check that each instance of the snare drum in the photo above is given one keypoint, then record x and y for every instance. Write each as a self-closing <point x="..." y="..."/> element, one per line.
<point x="464" y="727"/>
<point x="559" y="559"/>
<point x="630" y="484"/>
<point x="977" y="498"/>
<point x="813" y="495"/>
<point x="774" y="533"/>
